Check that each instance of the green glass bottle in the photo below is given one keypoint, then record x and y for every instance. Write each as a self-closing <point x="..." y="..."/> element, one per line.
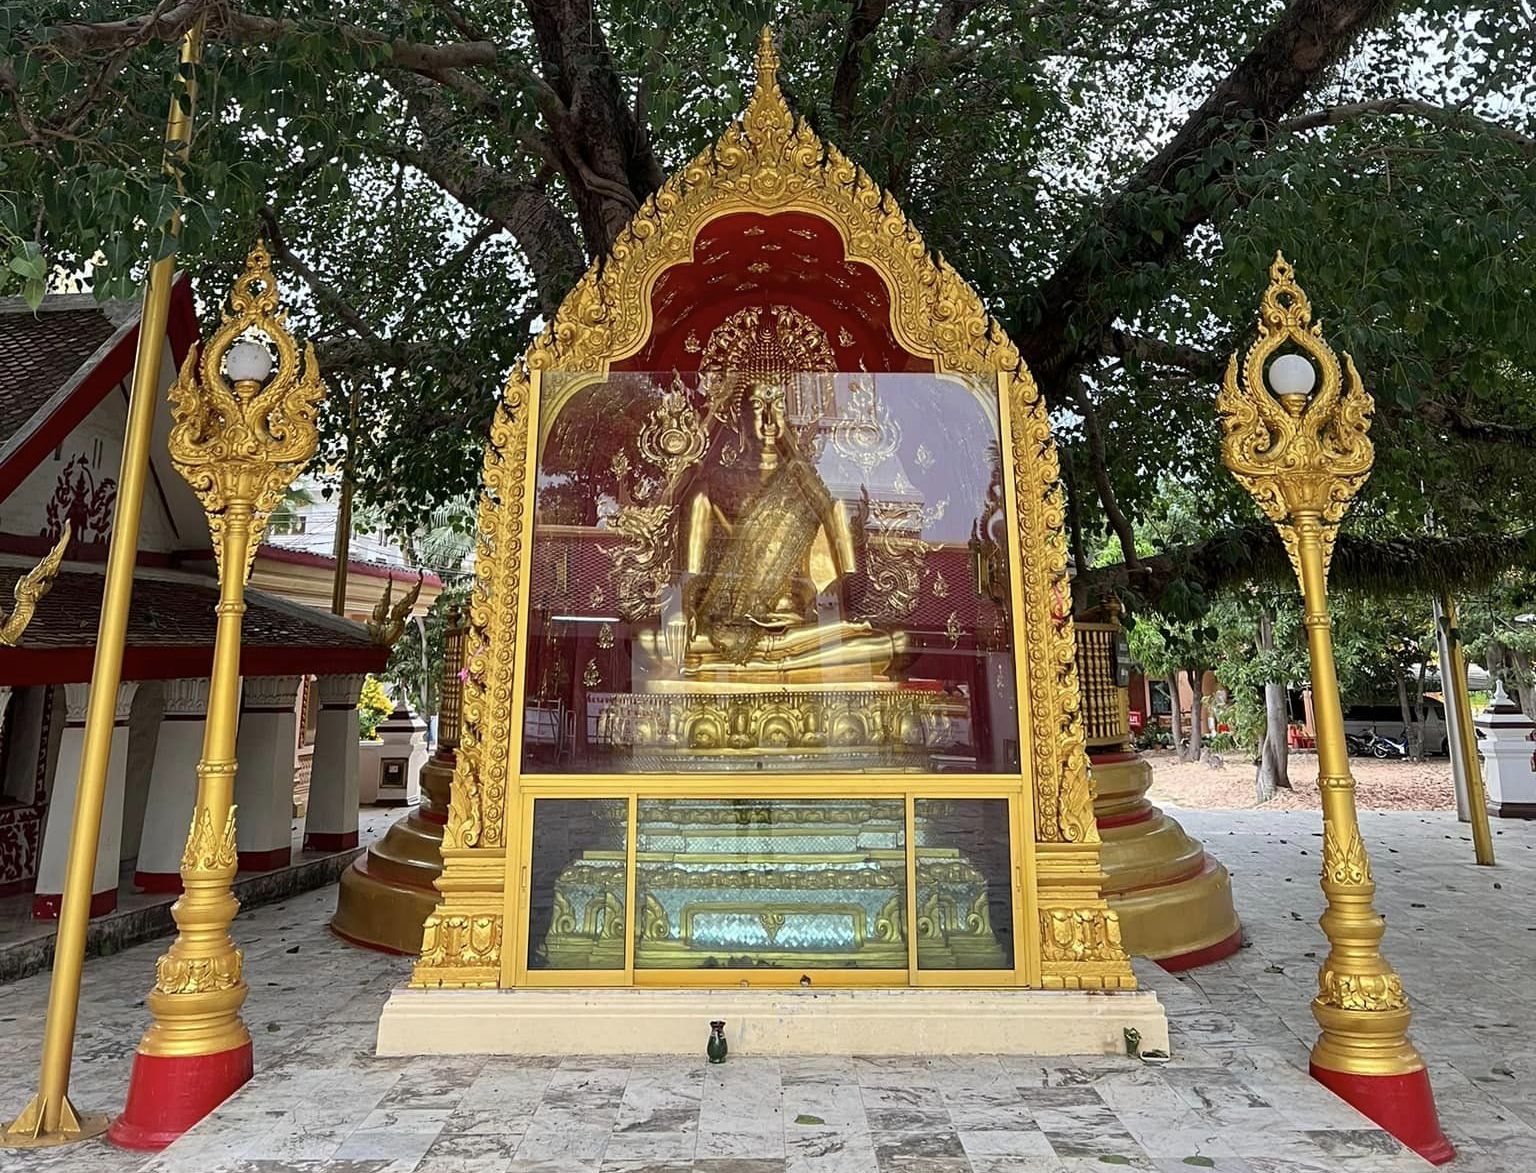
<point x="716" y="1047"/>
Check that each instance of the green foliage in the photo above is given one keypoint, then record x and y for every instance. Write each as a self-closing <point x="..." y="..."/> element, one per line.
<point x="373" y="706"/>
<point x="1413" y="229"/>
<point x="405" y="669"/>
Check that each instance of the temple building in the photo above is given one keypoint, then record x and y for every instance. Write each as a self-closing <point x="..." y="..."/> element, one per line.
<point x="63" y="397"/>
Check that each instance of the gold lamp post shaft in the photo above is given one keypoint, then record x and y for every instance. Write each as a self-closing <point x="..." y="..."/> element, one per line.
<point x="50" y="1118"/>
<point x="199" y="987"/>
<point x="1302" y="450"/>
<point x="239" y="438"/>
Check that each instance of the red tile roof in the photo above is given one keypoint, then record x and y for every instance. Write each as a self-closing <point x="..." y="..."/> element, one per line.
<point x="171" y="630"/>
<point x="38" y="354"/>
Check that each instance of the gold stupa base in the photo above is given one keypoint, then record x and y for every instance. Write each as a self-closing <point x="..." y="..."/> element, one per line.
<point x="1174" y="900"/>
<point x="388" y="892"/>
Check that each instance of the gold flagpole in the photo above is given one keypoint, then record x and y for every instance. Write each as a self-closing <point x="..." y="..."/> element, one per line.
<point x="50" y="1118"/>
<point x="1303" y="457"/>
<point x="1453" y="682"/>
<point x="243" y="431"/>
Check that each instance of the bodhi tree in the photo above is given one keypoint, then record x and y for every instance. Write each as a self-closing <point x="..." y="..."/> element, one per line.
<point x="1112" y="177"/>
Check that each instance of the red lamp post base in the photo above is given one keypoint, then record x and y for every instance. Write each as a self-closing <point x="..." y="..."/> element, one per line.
<point x="1404" y="1105"/>
<point x="168" y="1094"/>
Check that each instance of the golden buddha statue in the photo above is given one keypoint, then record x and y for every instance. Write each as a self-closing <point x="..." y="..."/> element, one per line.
<point x="764" y="554"/>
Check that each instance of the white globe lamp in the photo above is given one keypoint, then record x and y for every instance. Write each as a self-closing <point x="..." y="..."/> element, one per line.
<point x="248" y="361"/>
<point x="1292" y="377"/>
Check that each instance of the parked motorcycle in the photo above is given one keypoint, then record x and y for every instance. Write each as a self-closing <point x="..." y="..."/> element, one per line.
<point x="1357" y="745"/>
<point x="1387" y="747"/>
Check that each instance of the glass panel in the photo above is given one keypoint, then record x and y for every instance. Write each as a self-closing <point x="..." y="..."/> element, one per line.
<point x="577" y="883"/>
<point x="769" y="572"/>
<point x="964" y="884"/>
<point x="771" y="884"/>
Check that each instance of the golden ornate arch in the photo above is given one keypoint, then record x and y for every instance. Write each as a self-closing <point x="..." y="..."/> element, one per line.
<point x="768" y="161"/>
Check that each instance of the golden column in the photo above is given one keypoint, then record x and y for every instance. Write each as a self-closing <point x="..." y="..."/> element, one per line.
<point x="241" y="434"/>
<point x="50" y="1118"/>
<point x="1303" y="457"/>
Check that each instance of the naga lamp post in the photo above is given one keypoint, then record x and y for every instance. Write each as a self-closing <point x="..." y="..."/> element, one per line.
<point x="243" y="430"/>
<point x="1302" y="451"/>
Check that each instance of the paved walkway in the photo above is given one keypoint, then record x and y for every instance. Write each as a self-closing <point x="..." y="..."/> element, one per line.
<point x="1235" y="1099"/>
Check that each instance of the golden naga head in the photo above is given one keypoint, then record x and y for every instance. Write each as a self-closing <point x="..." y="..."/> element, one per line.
<point x="1294" y="423"/>
<point x="387" y="623"/>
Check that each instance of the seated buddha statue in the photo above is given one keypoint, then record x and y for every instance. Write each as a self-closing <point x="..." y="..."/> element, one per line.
<point x="764" y="554"/>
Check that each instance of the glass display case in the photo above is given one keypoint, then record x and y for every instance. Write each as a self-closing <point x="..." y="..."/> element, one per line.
<point x="770" y="721"/>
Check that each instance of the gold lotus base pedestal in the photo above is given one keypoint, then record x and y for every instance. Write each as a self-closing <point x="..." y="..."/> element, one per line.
<point x="387" y="893"/>
<point x="795" y="1021"/>
<point x="1174" y="900"/>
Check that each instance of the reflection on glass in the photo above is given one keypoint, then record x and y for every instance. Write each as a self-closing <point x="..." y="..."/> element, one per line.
<point x="749" y="570"/>
<point x="771" y="884"/>
<point x="964" y="886"/>
<point x="577" y="883"/>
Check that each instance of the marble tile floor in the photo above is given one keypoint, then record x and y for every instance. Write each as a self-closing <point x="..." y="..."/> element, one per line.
<point x="1235" y="1099"/>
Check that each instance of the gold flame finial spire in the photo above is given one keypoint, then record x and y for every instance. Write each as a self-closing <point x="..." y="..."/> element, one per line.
<point x="767" y="60"/>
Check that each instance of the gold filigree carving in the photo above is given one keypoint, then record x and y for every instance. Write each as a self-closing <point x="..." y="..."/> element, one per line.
<point x="642" y="559"/>
<point x="865" y="434"/>
<point x="244" y="439"/>
<point x="894" y="556"/>
<point x="673" y="437"/>
<point x="198" y="975"/>
<point x="1345" y="863"/>
<point x="1080" y="934"/>
<point x="469" y="941"/>
<point x="207" y="848"/>
<point x="1355" y="991"/>
<point x="1296" y="454"/>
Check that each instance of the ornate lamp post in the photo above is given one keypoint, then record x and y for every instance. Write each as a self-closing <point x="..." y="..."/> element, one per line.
<point x="242" y="433"/>
<point x="1303" y="456"/>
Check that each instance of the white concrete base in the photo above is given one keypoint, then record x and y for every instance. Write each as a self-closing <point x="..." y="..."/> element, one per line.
<point x="769" y="1022"/>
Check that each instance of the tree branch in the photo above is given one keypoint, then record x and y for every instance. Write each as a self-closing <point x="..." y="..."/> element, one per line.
<point x="1450" y="116"/>
<point x="1100" y="461"/>
<point x="1118" y="343"/>
<point x="862" y="22"/>
<point x="1184" y="185"/>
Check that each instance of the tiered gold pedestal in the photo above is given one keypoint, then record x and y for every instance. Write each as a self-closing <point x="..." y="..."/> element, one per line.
<point x="1174" y="900"/>
<point x="387" y="893"/>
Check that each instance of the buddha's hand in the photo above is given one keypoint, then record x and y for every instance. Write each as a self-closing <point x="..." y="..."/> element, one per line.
<point x="676" y="625"/>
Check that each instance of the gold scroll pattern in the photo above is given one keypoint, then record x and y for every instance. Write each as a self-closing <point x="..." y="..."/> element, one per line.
<point x="767" y="162"/>
<point x="1296" y="454"/>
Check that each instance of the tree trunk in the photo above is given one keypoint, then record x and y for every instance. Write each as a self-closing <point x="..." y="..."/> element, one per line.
<point x="1176" y="709"/>
<point x="1196" y="713"/>
<point x="1523" y="683"/>
<point x="1274" y="751"/>
<point x="1412" y="732"/>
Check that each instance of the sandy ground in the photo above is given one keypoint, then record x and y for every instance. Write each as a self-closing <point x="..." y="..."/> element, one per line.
<point x="1423" y="786"/>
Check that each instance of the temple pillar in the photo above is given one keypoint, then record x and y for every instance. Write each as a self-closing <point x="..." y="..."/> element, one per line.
<point x="266" y="749"/>
<point x="172" y="785"/>
<point x="1174" y="900"/>
<point x="54" y="858"/>
<point x="330" y="824"/>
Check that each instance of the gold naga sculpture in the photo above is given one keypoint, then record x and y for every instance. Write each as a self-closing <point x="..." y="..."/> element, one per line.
<point x="387" y="623"/>
<point x="30" y="588"/>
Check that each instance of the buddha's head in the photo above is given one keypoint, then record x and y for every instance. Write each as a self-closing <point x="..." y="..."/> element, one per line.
<point x="765" y="412"/>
